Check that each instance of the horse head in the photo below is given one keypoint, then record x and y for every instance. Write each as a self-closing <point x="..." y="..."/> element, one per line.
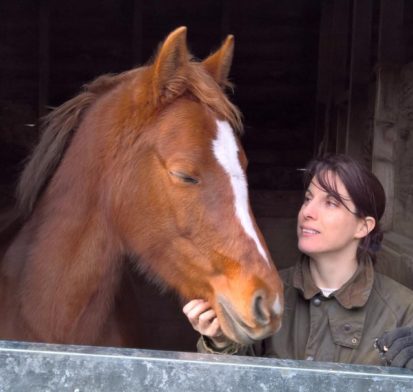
<point x="181" y="201"/>
<point x="145" y="163"/>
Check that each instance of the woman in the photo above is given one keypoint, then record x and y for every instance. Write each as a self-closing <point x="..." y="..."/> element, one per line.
<point x="336" y="305"/>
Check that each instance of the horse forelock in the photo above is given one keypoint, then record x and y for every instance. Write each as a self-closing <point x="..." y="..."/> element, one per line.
<point x="207" y="91"/>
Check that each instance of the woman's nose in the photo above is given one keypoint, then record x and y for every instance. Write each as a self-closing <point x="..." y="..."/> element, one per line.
<point x="309" y="210"/>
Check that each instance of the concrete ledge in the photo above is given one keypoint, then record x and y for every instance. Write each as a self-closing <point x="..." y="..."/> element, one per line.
<point x="44" y="367"/>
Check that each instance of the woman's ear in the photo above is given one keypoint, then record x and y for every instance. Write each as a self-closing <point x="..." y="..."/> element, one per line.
<point x="365" y="226"/>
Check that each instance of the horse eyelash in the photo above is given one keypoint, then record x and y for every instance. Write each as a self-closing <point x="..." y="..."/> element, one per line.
<point x="185" y="177"/>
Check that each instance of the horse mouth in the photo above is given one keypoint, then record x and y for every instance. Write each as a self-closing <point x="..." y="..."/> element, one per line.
<point x="242" y="333"/>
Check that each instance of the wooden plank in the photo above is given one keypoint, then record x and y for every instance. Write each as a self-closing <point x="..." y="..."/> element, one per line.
<point x="44" y="57"/>
<point x="323" y="100"/>
<point x="339" y="63"/>
<point x="333" y="48"/>
<point x="332" y="70"/>
<point x="325" y="49"/>
<point x="137" y="32"/>
<point x="360" y="72"/>
<point x="225" y="18"/>
<point x="390" y="47"/>
<point x="341" y="126"/>
<point x="360" y="67"/>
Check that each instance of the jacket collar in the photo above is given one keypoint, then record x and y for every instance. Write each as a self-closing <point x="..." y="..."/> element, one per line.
<point x="353" y="294"/>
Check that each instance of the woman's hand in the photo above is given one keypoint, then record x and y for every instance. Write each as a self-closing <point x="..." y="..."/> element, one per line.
<point x="204" y="320"/>
<point x="396" y="347"/>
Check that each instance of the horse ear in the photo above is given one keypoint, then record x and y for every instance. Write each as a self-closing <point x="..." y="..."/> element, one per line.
<point x="218" y="64"/>
<point x="170" y="66"/>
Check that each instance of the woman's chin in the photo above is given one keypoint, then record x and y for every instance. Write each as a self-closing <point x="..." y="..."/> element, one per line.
<point x="309" y="248"/>
<point x="308" y="251"/>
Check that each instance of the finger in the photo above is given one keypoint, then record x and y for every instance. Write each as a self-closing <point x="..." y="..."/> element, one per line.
<point x="398" y="352"/>
<point x="191" y="304"/>
<point x="398" y="345"/>
<point x="195" y="313"/>
<point x="409" y="364"/>
<point x="206" y="318"/>
<point x="390" y="337"/>
<point x="382" y="343"/>
<point x="403" y="357"/>
<point x="215" y="329"/>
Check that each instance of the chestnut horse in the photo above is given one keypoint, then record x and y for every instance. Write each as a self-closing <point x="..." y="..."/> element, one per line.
<point x="142" y="166"/>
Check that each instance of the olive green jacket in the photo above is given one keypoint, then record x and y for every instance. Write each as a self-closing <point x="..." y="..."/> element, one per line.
<point x="340" y="328"/>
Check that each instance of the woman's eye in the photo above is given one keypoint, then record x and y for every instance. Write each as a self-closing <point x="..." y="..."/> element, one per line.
<point x="185" y="177"/>
<point x="332" y="203"/>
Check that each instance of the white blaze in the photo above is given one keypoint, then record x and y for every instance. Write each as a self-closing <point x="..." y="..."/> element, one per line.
<point x="226" y="151"/>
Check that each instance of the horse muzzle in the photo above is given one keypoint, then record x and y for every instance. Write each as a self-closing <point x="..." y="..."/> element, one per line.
<point x="261" y="322"/>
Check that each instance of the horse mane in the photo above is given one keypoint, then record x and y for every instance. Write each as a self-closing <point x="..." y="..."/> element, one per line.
<point x="58" y="128"/>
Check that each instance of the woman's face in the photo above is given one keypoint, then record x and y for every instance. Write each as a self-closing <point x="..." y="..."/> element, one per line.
<point x="325" y="226"/>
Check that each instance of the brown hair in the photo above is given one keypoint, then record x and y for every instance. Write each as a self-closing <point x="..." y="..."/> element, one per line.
<point x="362" y="185"/>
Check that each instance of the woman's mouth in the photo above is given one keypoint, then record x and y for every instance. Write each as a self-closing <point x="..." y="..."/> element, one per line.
<point x="309" y="232"/>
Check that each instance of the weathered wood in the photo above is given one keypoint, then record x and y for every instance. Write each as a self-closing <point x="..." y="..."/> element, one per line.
<point x="403" y="219"/>
<point x="333" y="47"/>
<point x="44" y="57"/>
<point x="357" y="132"/>
<point x="137" y="32"/>
<point x="391" y="45"/>
<point x="386" y="113"/>
<point x="332" y="69"/>
<point x="226" y="6"/>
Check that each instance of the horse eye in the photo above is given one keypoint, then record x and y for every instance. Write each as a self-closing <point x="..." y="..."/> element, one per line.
<point x="189" y="180"/>
<point x="185" y="177"/>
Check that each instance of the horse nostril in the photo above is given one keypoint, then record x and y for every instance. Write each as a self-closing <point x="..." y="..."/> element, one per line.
<point x="260" y="311"/>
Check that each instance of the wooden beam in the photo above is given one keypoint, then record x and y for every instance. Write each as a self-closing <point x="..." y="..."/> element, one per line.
<point x="225" y="18"/>
<point x="391" y="44"/>
<point x="333" y="48"/>
<point x="325" y="53"/>
<point x="137" y="32"/>
<point x="332" y="70"/>
<point x="44" y="57"/>
<point x="360" y="73"/>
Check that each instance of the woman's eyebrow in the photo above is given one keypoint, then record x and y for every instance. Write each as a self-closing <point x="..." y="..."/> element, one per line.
<point x="340" y="199"/>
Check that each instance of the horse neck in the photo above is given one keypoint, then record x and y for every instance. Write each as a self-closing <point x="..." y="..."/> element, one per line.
<point x="69" y="262"/>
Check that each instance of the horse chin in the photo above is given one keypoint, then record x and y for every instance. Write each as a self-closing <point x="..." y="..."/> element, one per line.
<point x="238" y="330"/>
